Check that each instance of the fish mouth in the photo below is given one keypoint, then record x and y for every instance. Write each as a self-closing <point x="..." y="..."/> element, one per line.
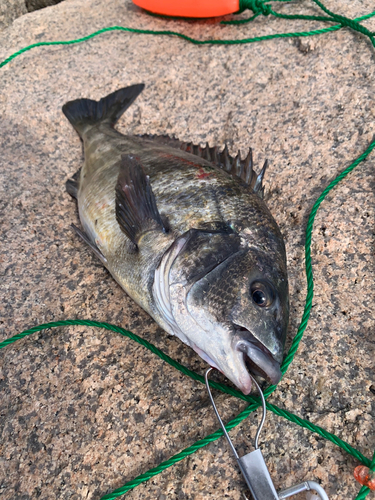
<point x="257" y="358"/>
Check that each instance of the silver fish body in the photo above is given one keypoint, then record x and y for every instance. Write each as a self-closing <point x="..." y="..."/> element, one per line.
<point x="187" y="236"/>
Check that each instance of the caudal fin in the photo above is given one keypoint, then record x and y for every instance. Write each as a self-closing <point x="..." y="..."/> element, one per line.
<point x="85" y="112"/>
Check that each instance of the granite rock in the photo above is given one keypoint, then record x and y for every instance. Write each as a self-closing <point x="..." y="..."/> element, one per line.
<point x="84" y="410"/>
<point x="32" y="5"/>
<point x="10" y="10"/>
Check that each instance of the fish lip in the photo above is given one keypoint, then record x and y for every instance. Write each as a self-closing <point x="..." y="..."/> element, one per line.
<point x="244" y="383"/>
<point x="258" y="359"/>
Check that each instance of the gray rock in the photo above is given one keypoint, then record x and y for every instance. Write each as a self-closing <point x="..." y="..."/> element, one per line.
<point x="39" y="4"/>
<point x="84" y="410"/>
<point x="10" y="10"/>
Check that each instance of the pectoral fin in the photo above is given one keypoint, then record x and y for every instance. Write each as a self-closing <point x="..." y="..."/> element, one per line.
<point x="136" y="210"/>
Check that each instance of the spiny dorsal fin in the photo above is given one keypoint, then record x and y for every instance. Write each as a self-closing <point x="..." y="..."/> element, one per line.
<point x="163" y="140"/>
<point x="243" y="169"/>
<point x="258" y="185"/>
<point x="136" y="210"/>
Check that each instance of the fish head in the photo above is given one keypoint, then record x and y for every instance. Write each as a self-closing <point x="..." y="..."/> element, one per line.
<point x="230" y="302"/>
<point x="246" y="299"/>
<point x="260" y="311"/>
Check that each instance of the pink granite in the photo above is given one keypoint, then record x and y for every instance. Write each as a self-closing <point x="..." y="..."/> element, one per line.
<point x="83" y="410"/>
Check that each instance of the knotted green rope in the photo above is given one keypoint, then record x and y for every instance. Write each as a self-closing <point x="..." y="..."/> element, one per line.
<point x="260" y="8"/>
<point x="257" y="6"/>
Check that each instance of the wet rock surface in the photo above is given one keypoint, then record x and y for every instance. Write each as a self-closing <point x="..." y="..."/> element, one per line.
<point x="84" y="410"/>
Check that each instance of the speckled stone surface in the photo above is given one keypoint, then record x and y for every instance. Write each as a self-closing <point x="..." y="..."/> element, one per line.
<point x="10" y="10"/>
<point x="32" y="5"/>
<point x="82" y="410"/>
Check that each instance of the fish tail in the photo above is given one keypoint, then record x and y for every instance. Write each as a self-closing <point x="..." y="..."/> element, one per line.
<point x="85" y="112"/>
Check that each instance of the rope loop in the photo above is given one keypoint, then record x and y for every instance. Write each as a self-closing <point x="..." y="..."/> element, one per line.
<point x="257" y="6"/>
<point x="346" y="22"/>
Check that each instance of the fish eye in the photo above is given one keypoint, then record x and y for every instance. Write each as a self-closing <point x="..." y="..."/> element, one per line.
<point x="261" y="293"/>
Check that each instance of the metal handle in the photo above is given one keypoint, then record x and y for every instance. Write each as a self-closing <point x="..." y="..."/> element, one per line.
<point x="253" y="466"/>
<point x="306" y="486"/>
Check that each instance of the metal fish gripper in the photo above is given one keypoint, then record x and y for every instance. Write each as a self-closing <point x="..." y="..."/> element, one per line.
<point x="254" y="468"/>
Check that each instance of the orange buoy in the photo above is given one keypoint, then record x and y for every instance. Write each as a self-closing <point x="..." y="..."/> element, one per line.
<point x="190" y="8"/>
<point x="365" y="476"/>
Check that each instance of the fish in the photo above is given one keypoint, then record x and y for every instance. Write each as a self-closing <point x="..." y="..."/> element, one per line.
<point x="185" y="231"/>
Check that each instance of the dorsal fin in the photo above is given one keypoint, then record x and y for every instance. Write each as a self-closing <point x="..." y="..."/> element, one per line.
<point x="163" y="140"/>
<point x="258" y="185"/>
<point x="243" y="169"/>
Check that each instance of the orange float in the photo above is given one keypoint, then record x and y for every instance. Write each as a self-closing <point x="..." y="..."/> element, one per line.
<point x="365" y="476"/>
<point x="190" y="8"/>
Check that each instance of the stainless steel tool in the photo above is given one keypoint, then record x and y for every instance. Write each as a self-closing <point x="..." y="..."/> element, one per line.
<point x="254" y="468"/>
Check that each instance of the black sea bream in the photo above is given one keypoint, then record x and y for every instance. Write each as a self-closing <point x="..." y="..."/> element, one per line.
<point x="185" y="232"/>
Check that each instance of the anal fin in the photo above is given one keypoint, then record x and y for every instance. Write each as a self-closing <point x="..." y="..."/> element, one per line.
<point x="71" y="187"/>
<point x="90" y="243"/>
<point x="72" y="184"/>
<point x="136" y="210"/>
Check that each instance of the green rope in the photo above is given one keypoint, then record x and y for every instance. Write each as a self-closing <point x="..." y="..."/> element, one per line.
<point x="262" y="7"/>
<point x="208" y="439"/>
<point x="309" y="274"/>
<point x="308" y="263"/>
<point x="176" y="458"/>
<point x="282" y="16"/>
<point x="257" y="6"/>
<point x="222" y="387"/>
<point x="186" y="452"/>
<point x="349" y="23"/>
<point x="195" y="376"/>
<point x="206" y="42"/>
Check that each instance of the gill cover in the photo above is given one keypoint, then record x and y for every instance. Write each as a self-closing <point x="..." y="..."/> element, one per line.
<point x="191" y="257"/>
<point x="228" y="301"/>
